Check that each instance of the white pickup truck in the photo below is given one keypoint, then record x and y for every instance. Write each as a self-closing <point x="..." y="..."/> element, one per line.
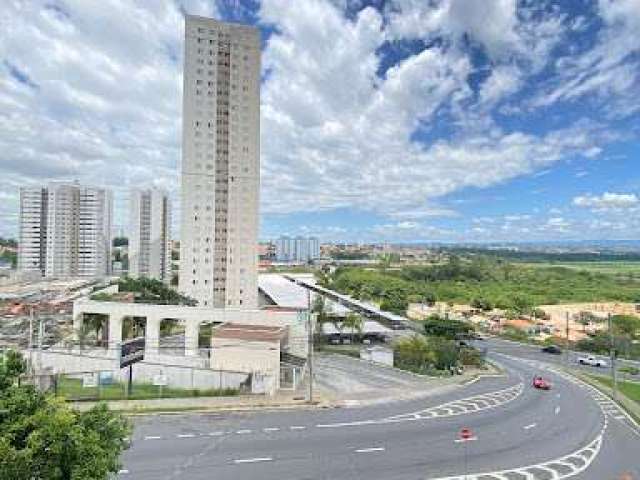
<point x="592" y="361"/>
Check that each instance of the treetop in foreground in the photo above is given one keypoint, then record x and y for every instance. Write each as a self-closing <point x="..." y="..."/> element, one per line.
<point x="42" y="438"/>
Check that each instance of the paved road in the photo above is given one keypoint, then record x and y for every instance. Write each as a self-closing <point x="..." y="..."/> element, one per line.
<point x="357" y="382"/>
<point x="521" y="433"/>
<point x="523" y="350"/>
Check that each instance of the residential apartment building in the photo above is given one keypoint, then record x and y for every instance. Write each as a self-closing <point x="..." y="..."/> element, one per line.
<point x="32" y="237"/>
<point x="74" y="230"/>
<point x="150" y="234"/>
<point x="220" y="163"/>
<point x="298" y="249"/>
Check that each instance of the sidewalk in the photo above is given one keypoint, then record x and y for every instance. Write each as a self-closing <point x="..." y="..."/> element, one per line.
<point x="282" y="400"/>
<point x="195" y="404"/>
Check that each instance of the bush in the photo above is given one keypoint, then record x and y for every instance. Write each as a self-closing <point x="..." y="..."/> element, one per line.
<point x="471" y="357"/>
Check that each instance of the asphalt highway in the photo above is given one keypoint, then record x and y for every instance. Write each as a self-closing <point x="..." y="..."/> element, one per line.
<point x="520" y="432"/>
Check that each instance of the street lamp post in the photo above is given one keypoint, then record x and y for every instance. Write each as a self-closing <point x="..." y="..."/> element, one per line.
<point x="612" y="356"/>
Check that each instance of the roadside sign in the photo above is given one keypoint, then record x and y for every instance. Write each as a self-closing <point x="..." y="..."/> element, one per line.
<point x="466" y="435"/>
<point x="89" y="380"/>
<point x="160" y="380"/>
<point x="132" y="351"/>
<point x="105" y="377"/>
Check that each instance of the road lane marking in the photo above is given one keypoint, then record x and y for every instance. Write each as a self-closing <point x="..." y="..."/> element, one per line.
<point x="557" y="410"/>
<point x="186" y="435"/>
<point x="242" y="432"/>
<point x="371" y="449"/>
<point x="152" y="437"/>
<point x="124" y="471"/>
<point x="528" y="427"/>
<point x="463" y="440"/>
<point x="297" y="427"/>
<point x="215" y="434"/>
<point x="270" y="429"/>
<point x="253" y="460"/>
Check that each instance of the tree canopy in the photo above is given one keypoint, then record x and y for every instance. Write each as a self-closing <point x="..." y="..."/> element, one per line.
<point x="42" y="438"/>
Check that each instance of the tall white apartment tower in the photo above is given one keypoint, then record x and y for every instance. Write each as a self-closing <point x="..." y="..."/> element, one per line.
<point x="78" y="236"/>
<point x="149" y="234"/>
<point x="32" y="244"/>
<point x="220" y="164"/>
<point x="65" y="230"/>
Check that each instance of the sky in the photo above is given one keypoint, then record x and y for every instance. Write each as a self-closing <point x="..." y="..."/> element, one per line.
<point x="381" y="121"/>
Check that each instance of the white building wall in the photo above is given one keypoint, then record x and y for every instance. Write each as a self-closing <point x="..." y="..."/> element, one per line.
<point x="94" y="232"/>
<point x="33" y="230"/>
<point x="220" y="163"/>
<point x="149" y="234"/>
<point x="76" y="231"/>
<point x="63" y="212"/>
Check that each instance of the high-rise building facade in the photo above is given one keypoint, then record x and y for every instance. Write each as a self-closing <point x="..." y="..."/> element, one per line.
<point x="149" y="234"/>
<point x="32" y="243"/>
<point x="298" y="249"/>
<point x="75" y="230"/>
<point x="220" y="163"/>
<point x="284" y="249"/>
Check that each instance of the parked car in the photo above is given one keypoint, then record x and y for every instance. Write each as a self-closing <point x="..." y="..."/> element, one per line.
<point x="592" y="361"/>
<point x="540" y="383"/>
<point x="553" y="349"/>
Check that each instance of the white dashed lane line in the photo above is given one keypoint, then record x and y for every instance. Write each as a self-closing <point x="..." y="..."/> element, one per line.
<point x="253" y="460"/>
<point x="124" y="471"/>
<point x="243" y="432"/>
<point x="557" y="410"/>
<point x="271" y="429"/>
<point x="152" y="437"/>
<point x="297" y="427"/>
<point x="370" y="450"/>
<point x="530" y="426"/>
<point x="185" y="435"/>
<point x="216" y="434"/>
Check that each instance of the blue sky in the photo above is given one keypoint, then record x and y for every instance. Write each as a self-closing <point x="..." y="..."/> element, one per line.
<point x="398" y="120"/>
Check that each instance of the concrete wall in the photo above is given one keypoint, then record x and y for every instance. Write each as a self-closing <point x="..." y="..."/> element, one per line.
<point x="179" y="376"/>
<point x="260" y="358"/>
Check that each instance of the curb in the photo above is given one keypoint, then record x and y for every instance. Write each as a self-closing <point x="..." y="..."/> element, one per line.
<point x="633" y="417"/>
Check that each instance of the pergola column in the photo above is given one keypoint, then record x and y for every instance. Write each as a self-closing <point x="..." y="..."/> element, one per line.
<point x="191" y="333"/>
<point x="152" y="335"/>
<point x="115" y="331"/>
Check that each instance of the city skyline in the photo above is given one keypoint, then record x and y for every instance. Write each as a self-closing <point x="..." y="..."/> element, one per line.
<point x="432" y="127"/>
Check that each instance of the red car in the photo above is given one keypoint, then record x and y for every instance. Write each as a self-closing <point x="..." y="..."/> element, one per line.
<point x="541" y="383"/>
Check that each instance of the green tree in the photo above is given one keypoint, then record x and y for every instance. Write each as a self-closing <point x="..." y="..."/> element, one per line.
<point x="354" y="323"/>
<point x="414" y="354"/>
<point x="395" y="303"/>
<point x="445" y="352"/>
<point x="319" y="307"/>
<point x="42" y="438"/>
<point x="120" y="241"/>
<point x="436" y="326"/>
<point x="481" y="303"/>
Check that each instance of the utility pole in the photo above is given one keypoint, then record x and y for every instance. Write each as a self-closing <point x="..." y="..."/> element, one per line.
<point x="566" y="339"/>
<point x="310" y="345"/>
<point x="612" y="355"/>
<point x="30" y="339"/>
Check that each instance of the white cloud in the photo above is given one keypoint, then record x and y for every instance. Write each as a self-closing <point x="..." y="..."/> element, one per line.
<point x="102" y="99"/>
<point x="503" y="81"/>
<point x="607" y="201"/>
<point x="607" y="70"/>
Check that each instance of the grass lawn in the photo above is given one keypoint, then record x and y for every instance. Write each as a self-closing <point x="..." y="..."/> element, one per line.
<point x="629" y="389"/>
<point x="352" y="350"/>
<point x="72" y="389"/>
<point x="606" y="267"/>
